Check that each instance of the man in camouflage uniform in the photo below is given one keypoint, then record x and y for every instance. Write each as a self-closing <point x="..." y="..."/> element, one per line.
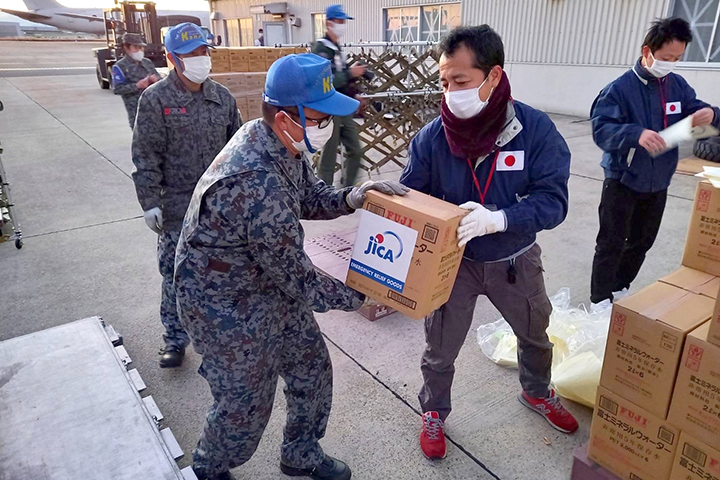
<point x="247" y="290"/>
<point x="183" y="121"/>
<point x="133" y="74"/>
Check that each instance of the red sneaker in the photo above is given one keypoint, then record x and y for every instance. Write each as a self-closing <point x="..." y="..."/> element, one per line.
<point x="432" y="437"/>
<point x="552" y="410"/>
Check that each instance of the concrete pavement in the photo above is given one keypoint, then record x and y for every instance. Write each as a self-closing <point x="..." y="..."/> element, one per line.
<point x="88" y="252"/>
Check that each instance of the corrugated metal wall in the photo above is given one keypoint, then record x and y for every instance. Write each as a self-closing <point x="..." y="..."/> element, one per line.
<point x="573" y="32"/>
<point x="367" y="26"/>
<point x="577" y="32"/>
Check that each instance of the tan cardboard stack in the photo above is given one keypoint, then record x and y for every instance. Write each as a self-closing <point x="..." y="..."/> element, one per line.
<point x="247" y="89"/>
<point x="657" y="414"/>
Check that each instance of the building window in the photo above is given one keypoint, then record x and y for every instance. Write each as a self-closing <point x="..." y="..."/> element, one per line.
<point x="424" y="23"/>
<point x="703" y="17"/>
<point x="318" y="25"/>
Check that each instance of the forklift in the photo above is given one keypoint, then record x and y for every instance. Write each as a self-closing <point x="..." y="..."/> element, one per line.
<point x="129" y="16"/>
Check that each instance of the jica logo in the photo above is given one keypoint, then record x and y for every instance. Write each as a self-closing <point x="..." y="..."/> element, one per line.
<point x="379" y="245"/>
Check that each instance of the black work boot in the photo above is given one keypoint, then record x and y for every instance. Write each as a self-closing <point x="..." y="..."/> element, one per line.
<point x="330" y="469"/>
<point x="220" y="476"/>
<point x="171" y="356"/>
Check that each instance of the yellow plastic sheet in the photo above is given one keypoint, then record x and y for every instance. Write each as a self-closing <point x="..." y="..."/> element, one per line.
<point x="579" y="339"/>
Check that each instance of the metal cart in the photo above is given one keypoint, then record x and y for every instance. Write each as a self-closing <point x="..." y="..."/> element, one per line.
<point x="9" y="226"/>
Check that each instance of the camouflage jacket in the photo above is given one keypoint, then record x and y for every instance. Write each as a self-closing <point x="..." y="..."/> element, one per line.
<point x="246" y="212"/>
<point x="125" y="75"/>
<point x="175" y="139"/>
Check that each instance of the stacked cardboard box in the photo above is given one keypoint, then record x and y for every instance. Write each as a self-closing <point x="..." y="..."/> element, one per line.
<point x="247" y="89"/>
<point x="220" y="60"/>
<point x="657" y="413"/>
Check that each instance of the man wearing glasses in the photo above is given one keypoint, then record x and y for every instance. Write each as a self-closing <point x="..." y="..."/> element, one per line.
<point x="246" y="289"/>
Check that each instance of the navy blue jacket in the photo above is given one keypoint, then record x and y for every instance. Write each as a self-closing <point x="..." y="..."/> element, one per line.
<point x="533" y="198"/>
<point x="625" y="108"/>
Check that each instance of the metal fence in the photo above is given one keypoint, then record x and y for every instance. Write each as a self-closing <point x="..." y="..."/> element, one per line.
<point x="403" y="97"/>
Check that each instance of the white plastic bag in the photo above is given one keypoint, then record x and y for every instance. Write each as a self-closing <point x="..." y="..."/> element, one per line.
<point x="579" y="339"/>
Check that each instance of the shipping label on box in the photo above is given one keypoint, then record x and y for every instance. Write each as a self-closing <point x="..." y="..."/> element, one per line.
<point x="630" y="441"/>
<point x="695" y="460"/>
<point x="645" y="342"/>
<point x="702" y="249"/>
<point x="695" y="405"/>
<point x="379" y="249"/>
<point x="411" y="272"/>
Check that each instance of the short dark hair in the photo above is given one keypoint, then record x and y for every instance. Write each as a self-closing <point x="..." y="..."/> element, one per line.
<point x="269" y="112"/>
<point x="482" y="40"/>
<point x="666" y="30"/>
<point x="260" y="30"/>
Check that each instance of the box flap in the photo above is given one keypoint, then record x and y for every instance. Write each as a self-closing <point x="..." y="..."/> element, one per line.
<point x="688" y="278"/>
<point x="710" y="289"/>
<point x="656" y="296"/>
<point x="702" y="332"/>
<point x="422" y="203"/>
<point x="688" y="313"/>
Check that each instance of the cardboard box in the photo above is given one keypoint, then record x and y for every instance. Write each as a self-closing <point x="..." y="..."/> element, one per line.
<point x="695" y="281"/>
<point x="702" y="249"/>
<point x="239" y="64"/>
<point x="695" y="405"/>
<point x="585" y="469"/>
<point x="375" y="311"/>
<point x="645" y="342"/>
<point x="629" y="441"/>
<point x="406" y="254"/>
<point x="714" y="326"/>
<point x="257" y="66"/>
<point x="695" y="460"/>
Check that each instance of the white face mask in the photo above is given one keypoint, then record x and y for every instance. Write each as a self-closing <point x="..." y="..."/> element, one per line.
<point x="466" y="103"/>
<point x="660" y="68"/>
<point x="138" y="56"/>
<point x="339" y="29"/>
<point x="317" y="136"/>
<point x="197" y="69"/>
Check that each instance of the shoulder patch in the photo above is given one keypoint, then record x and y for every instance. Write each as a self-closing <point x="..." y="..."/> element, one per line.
<point x="118" y="77"/>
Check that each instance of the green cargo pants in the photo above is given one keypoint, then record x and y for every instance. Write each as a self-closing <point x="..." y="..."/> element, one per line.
<point x="346" y="131"/>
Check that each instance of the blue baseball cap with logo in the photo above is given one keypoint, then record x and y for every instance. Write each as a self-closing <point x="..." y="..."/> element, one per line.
<point x="336" y="12"/>
<point x="306" y="81"/>
<point x="184" y="38"/>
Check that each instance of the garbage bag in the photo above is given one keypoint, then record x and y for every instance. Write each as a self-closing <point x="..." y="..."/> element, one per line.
<point x="579" y="339"/>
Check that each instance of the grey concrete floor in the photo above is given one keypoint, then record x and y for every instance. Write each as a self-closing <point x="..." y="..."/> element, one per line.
<point x="88" y="252"/>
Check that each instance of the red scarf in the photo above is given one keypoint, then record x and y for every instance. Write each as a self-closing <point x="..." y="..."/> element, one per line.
<point x="475" y="137"/>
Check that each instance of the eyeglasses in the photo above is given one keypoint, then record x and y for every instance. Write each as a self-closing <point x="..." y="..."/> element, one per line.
<point x="320" y="122"/>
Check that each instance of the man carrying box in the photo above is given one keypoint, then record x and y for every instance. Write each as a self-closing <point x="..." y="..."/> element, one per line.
<point x="246" y="289"/>
<point x="626" y="117"/>
<point x="507" y="164"/>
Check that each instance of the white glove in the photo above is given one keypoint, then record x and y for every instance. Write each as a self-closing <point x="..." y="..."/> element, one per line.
<point x="153" y="218"/>
<point x="356" y="198"/>
<point x="480" y="221"/>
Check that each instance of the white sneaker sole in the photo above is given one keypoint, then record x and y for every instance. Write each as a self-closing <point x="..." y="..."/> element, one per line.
<point x="528" y="405"/>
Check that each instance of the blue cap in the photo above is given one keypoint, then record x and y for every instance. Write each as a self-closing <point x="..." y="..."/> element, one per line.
<point x="184" y="38"/>
<point x="306" y="81"/>
<point x="335" y="12"/>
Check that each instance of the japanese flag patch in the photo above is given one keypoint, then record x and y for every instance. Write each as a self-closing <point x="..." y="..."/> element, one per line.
<point x="672" y="108"/>
<point x="511" y="161"/>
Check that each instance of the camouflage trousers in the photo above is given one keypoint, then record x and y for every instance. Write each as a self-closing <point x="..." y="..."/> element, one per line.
<point x="247" y="341"/>
<point x="174" y="333"/>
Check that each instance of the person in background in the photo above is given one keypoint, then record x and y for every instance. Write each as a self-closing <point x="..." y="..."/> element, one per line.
<point x="505" y="163"/>
<point x="183" y="122"/>
<point x="218" y="40"/>
<point x="247" y="290"/>
<point x="346" y="129"/>
<point x="133" y="73"/>
<point x="626" y="118"/>
<point x="260" y="41"/>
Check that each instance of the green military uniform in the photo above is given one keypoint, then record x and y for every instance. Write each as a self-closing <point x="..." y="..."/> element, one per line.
<point x="346" y="128"/>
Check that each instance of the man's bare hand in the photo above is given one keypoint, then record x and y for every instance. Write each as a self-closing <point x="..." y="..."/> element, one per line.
<point x="703" y="117"/>
<point x="652" y="141"/>
<point x="144" y="83"/>
<point x="153" y="79"/>
<point x="357" y="70"/>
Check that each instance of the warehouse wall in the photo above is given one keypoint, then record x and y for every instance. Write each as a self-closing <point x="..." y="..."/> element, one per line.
<point x="559" y="53"/>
